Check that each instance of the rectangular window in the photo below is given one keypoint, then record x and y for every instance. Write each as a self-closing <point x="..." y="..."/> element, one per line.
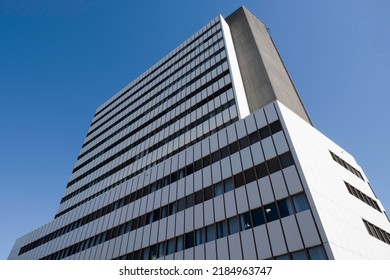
<point x="228" y="184"/>
<point x="271" y="213"/>
<point x="210" y="233"/>
<point x="218" y="189"/>
<point x="221" y="229"/>
<point x="189" y="240"/>
<point x="199" y="238"/>
<point x="285" y="207"/>
<point x="258" y="217"/>
<point x="233" y="225"/>
<point x="300" y="202"/>
<point x="245" y="221"/>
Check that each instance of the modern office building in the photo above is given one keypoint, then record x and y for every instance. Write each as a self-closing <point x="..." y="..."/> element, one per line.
<point x="210" y="154"/>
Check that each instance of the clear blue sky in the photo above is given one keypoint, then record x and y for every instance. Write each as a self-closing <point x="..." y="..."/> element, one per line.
<point x="60" y="60"/>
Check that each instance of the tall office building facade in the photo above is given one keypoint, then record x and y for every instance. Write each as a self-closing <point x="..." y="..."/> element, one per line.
<point x="210" y="154"/>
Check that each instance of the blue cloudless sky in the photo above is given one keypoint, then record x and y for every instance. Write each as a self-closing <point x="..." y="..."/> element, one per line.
<point x="60" y="60"/>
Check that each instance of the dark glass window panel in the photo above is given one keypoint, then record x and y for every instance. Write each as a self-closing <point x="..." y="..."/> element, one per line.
<point x="233" y="147"/>
<point x="261" y="170"/>
<point x="286" y="160"/>
<point x="215" y="156"/>
<point x="228" y="184"/>
<point x="153" y="252"/>
<point x="224" y="152"/>
<point x="244" y="143"/>
<point x="156" y="215"/>
<point x="134" y="224"/>
<point x="285" y="207"/>
<point x="264" y="132"/>
<point x="258" y="217"/>
<point x="181" y="204"/>
<point x="170" y="246"/>
<point x="221" y="229"/>
<point x="283" y="257"/>
<point x="300" y="202"/>
<point x="137" y="255"/>
<point x="250" y="175"/>
<point x="145" y="253"/>
<point x="238" y="180"/>
<point x="317" y="253"/>
<point x="199" y="237"/>
<point x="271" y="213"/>
<point x="190" y="200"/>
<point x="275" y="127"/>
<point x="300" y="255"/>
<point x="189" y="169"/>
<point x="206" y="161"/>
<point x="245" y="221"/>
<point x="189" y="240"/>
<point x="218" y="189"/>
<point x="254" y="137"/>
<point x="173" y="177"/>
<point x="141" y="221"/>
<point x="198" y="165"/>
<point x="179" y="243"/>
<point x="182" y="173"/>
<point x="149" y="218"/>
<point x="199" y="197"/>
<point x="273" y="165"/>
<point x="164" y="212"/>
<point x="173" y="208"/>
<point x="210" y="233"/>
<point x="233" y="225"/>
<point x="161" y="249"/>
<point x="208" y="193"/>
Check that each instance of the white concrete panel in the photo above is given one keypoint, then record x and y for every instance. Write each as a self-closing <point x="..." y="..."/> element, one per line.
<point x="210" y="251"/>
<point x="222" y="249"/>
<point x="230" y="201"/>
<point x="276" y="238"/>
<point x="308" y="229"/>
<point x="208" y="212"/>
<point x="253" y="195"/>
<point x="171" y="226"/>
<point x="162" y="231"/>
<point x="179" y="223"/>
<point x="280" y="142"/>
<point x="242" y="200"/>
<point x="291" y="233"/>
<point x="248" y="245"/>
<point x="219" y="208"/>
<point x="257" y="153"/>
<point x="265" y="190"/>
<point x="279" y="186"/>
<point x="146" y="236"/>
<point x="235" y="250"/>
<point x="292" y="180"/>
<point x="189" y="219"/>
<point x="236" y="163"/>
<point x="268" y="148"/>
<point x="199" y="252"/>
<point x="246" y="158"/>
<point x="189" y="254"/>
<point x="198" y="215"/>
<point x="260" y="118"/>
<point x="262" y="243"/>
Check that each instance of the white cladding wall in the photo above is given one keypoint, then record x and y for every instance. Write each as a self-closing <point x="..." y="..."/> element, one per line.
<point x="339" y="214"/>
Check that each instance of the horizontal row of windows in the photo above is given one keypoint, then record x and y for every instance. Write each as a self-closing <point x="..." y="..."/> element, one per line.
<point x="212" y="55"/>
<point x="179" y="52"/>
<point x="313" y="253"/>
<point x="186" y="82"/>
<point x="362" y="196"/>
<point x="346" y="165"/>
<point x="151" y="149"/>
<point x="207" y="86"/>
<point x="256" y="217"/>
<point x="233" y="147"/>
<point x="377" y="232"/>
<point x="238" y="180"/>
<point x="161" y="159"/>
